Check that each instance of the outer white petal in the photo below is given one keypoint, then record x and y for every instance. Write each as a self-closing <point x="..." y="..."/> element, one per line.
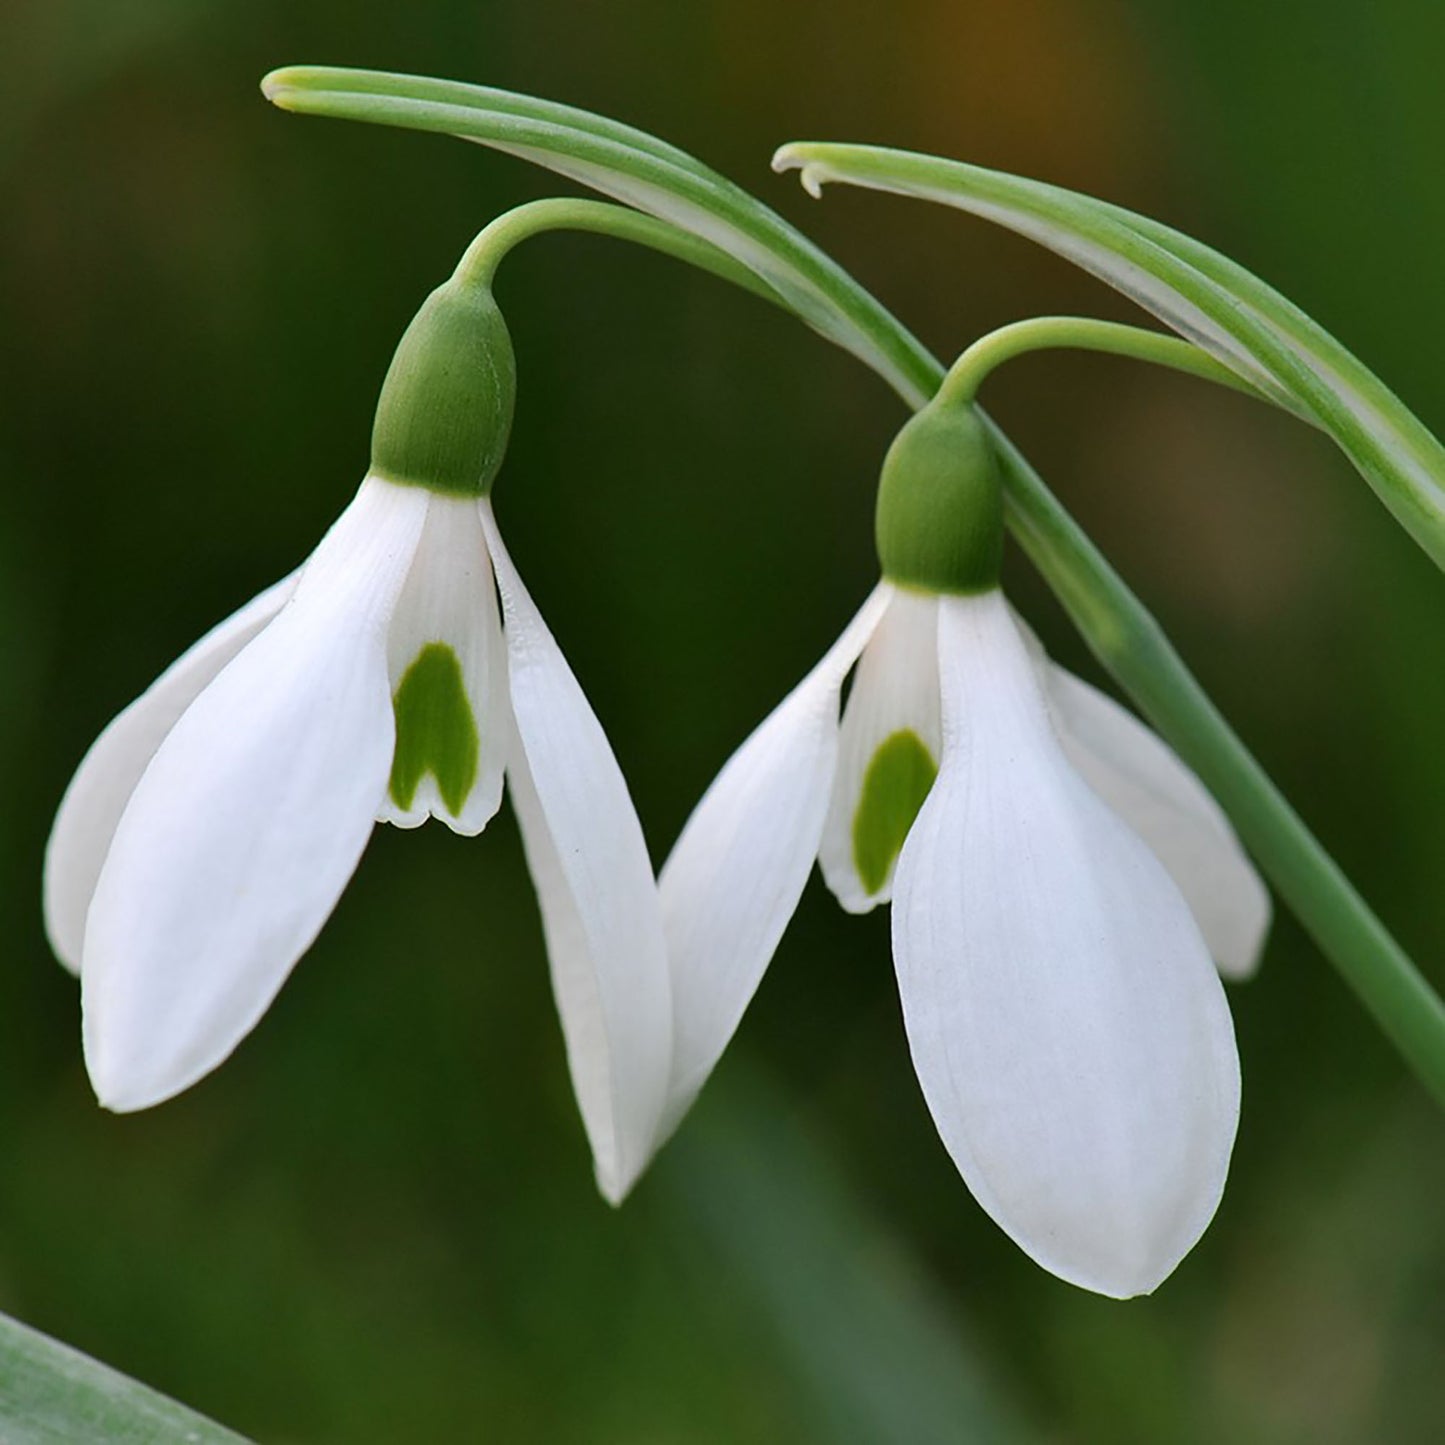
<point x="895" y="688"/>
<point x="595" y="887"/>
<point x="1143" y="780"/>
<point x="102" y="785"/>
<point x="739" y="868"/>
<point x="249" y="820"/>
<point x="450" y="597"/>
<point x="1070" y="1033"/>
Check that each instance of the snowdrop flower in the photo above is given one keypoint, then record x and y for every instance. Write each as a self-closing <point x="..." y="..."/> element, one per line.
<point x="1059" y="880"/>
<point x="211" y="828"/>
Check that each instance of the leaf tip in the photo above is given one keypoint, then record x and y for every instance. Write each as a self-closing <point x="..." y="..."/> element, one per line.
<point x="786" y="157"/>
<point x="279" y="87"/>
<point x="811" y="174"/>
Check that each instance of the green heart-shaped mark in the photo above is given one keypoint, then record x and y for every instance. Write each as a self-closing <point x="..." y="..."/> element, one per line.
<point x="894" y="787"/>
<point x="435" y="730"/>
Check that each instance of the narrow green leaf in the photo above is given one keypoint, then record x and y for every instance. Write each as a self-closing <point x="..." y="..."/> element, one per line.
<point x="1206" y="297"/>
<point x="51" y="1394"/>
<point x="1132" y="646"/>
<point x="629" y="166"/>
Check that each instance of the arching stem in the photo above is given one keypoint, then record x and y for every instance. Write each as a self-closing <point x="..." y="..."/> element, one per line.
<point x="495" y="241"/>
<point x="1081" y="333"/>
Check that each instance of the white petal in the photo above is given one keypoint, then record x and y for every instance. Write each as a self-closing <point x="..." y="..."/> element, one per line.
<point x="102" y="785"/>
<point x="894" y="691"/>
<point x="1143" y="780"/>
<point x="739" y="868"/>
<point x="450" y="598"/>
<point x="1069" y="1031"/>
<point x="595" y="887"/>
<point x="249" y="820"/>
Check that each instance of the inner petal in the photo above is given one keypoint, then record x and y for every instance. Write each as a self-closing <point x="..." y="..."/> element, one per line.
<point x="888" y="748"/>
<point x="448" y="679"/>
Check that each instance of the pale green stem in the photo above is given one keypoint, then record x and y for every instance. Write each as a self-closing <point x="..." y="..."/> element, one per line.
<point x="1129" y="642"/>
<point x="1113" y="621"/>
<point x="534" y="218"/>
<point x="1081" y="333"/>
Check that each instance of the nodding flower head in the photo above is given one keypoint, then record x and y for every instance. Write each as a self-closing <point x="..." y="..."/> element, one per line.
<point x="212" y="827"/>
<point x="1058" y="877"/>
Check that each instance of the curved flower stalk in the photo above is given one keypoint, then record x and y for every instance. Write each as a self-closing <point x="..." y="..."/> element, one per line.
<point x="213" y="825"/>
<point x="1059" y="881"/>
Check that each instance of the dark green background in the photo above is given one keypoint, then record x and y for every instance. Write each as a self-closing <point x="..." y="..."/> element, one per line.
<point x="377" y="1222"/>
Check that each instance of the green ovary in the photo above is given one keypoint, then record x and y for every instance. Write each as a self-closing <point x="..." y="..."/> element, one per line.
<point x="894" y="787"/>
<point x="435" y="730"/>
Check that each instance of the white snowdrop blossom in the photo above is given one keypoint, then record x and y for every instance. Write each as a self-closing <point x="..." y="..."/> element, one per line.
<point x="1059" y="882"/>
<point x="212" y="827"/>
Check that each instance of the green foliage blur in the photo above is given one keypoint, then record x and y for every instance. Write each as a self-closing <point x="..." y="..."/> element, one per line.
<point x="377" y="1222"/>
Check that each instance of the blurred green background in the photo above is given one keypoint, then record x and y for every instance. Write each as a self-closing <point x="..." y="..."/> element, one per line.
<point x="377" y="1222"/>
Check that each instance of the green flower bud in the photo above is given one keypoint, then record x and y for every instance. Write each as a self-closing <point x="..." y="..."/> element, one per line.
<point x="939" y="522"/>
<point x="446" y="404"/>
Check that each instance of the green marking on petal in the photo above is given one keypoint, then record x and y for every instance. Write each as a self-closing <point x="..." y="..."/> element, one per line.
<point x="435" y="730"/>
<point x="894" y="787"/>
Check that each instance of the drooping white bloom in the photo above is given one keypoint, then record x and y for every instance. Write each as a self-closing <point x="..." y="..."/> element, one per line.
<point x="212" y="827"/>
<point x="1059" y="880"/>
